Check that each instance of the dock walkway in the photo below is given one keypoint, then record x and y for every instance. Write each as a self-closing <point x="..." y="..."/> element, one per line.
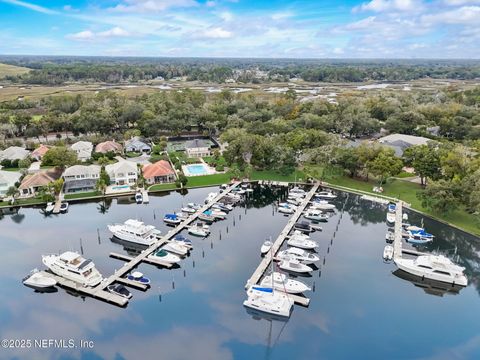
<point x="397" y="242"/>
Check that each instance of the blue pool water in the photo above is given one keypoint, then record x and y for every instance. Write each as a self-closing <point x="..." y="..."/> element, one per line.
<point x="197" y="169"/>
<point x="120" y="187"/>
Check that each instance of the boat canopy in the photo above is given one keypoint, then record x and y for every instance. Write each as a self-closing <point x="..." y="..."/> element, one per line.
<point x="264" y="289"/>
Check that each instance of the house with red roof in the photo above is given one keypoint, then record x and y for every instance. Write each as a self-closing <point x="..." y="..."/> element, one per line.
<point x="159" y="172"/>
<point x="109" y="146"/>
<point x="38" y="153"/>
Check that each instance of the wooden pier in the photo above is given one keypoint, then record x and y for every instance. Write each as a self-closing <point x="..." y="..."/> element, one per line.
<point x="145" y="197"/>
<point x="265" y="263"/>
<point x="397" y="241"/>
<point x="100" y="291"/>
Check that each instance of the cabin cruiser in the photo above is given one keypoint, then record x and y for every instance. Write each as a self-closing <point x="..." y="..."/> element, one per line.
<point x="434" y="267"/>
<point x="222" y="207"/>
<point x="120" y="290"/>
<point x="210" y="197"/>
<point x="301" y="241"/>
<point x="49" y="208"/>
<point x="281" y="282"/>
<point x="298" y="254"/>
<point x="64" y="207"/>
<point x="420" y="235"/>
<point x="217" y="214"/>
<point x="286" y="209"/>
<point x="199" y="230"/>
<point x="391" y="218"/>
<point x="327" y="195"/>
<point x="183" y="240"/>
<point x="316" y="215"/>
<point x="72" y="266"/>
<point x="188" y="210"/>
<point x="296" y="191"/>
<point x="135" y="231"/>
<point x="137" y="276"/>
<point x="138" y="198"/>
<point x="303" y="226"/>
<point x="390" y="237"/>
<point x="266" y="299"/>
<point x="165" y="256"/>
<point x="266" y="246"/>
<point x="291" y="264"/>
<point x="323" y="205"/>
<point x="392" y="207"/>
<point x="206" y="216"/>
<point x="37" y="280"/>
<point x="194" y="206"/>
<point x="431" y="287"/>
<point x="388" y="253"/>
<point x="172" y="219"/>
<point x="176" y="248"/>
<point x="293" y="200"/>
<point x="416" y="240"/>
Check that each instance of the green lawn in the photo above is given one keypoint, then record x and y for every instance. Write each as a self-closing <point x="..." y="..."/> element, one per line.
<point x="208" y="180"/>
<point x="275" y="176"/>
<point x="162" y="187"/>
<point x="11" y="169"/>
<point x="82" y="195"/>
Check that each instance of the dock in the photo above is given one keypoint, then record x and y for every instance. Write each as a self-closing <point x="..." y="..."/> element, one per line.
<point x="131" y="263"/>
<point x="145" y="197"/>
<point x="397" y="241"/>
<point x="265" y="263"/>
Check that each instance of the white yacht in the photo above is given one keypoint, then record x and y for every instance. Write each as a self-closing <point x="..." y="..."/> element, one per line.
<point x="267" y="300"/>
<point x="298" y="254"/>
<point x="266" y="246"/>
<point x="283" y="283"/>
<point x="210" y="197"/>
<point x="176" y="248"/>
<point x="316" y="215"/>
<point x="163" y="255"/>
<point x="322" y="205"/>
<point x="326" y="195"/>
<point x="37" y="280"/>
<point x="301" y="241"/>
<point x="286" y="210"/>
<point x="298" y="192"/>
<point x="391" y="218"/>
<point x="135" y="231"/>
<point x="72" y="266"/>
<point x="199" y="230"/>
<point x="188" y="210"/>
<point x="293" y="200"/>
<point x="49" y="208"/>
<point x="435" y="267"/>
<point x="388" y="253"/>
<point x="290" y="264"/>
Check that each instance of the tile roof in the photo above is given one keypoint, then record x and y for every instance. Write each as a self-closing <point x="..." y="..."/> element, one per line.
<point x="160" y="168"/>
<point x="40" y="179"/>
<point x="107" y="146"/>
<point x="40" y="151"/>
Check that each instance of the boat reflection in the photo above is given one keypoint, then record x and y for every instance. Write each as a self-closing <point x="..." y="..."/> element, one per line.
<point x="431" y="287"/>
<point x="132" y="249"/>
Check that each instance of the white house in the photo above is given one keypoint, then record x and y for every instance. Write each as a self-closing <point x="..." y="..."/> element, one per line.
<point x="14" y="153"/>
<point x="83" y="149"/>
<point x="7" y="180"/>
<point x="122" y="173"/>
<point x="400" y="142"/>
<point x="81" y="178"/>
<point x="197" y="148"/>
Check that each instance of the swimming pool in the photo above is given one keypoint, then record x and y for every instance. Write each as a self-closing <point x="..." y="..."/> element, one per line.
<point x="120" y="187"/>
<point x="196" y="169"/>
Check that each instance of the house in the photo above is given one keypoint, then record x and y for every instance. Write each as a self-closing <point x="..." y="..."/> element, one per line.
<point x="81" y="178"/>
<point x="159" y="172"/>
<point x="38" y="153"/>
<point x="83" y="149"/>
<point x="197" y="148"/>
<point x="122" y="173"/>
<point x="109" y="146"/>
<point x="32" y="183"/>
<point x="7" y="180"/>
<point x="14" y="153"/>
<point x="400" y="142"/>
<point x="136" y="145"/>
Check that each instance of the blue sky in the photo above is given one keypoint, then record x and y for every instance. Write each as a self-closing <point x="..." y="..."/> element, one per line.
<point x="242" y="28"/>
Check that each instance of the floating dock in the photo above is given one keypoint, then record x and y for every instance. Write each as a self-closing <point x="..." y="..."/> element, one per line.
<point x="398" y="249"/>
<point x="265" y="263"/>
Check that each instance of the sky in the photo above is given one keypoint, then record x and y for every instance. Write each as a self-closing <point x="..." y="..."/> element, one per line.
<point x="242" y="28"/>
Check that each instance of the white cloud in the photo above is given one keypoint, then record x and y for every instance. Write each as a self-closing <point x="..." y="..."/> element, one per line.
<point x="464" y="15"/>
<point x="88" y="35"/>
<point x="31" y="6"/>
<point x="281" y="15"/>
<point x="213" y="33"/>
<point x="226" y="16"/>
<point x="460" y="2"/>
<point x="149" y="6"/>
<point x="114" y="32"/>
<point x="389" y="5"/>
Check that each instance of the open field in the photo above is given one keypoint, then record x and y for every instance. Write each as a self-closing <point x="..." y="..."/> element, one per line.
<point x="9" y="70"/>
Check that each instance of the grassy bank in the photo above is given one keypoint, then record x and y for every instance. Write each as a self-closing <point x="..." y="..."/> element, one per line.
<point x="208" y="180"/>
<point x="82" y="195"/>
<point x="162" y="187"/>
<point x="275" y="176"/>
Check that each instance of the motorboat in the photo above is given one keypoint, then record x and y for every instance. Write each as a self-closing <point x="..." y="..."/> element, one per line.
<point x="182" y="239"/>
<point x="119" y="289"/>
<point x="420" y="235"/>
<point x="409" y="227"/>
<point x="302" y="241"/>
<point x="222" y="207"/>
<point x="296" y="191"/>
<point x="49" y="208"/>
<point x="210" y="197"/>
<point x="388" y="253"/>
<point x="176" y="248"/>
<point x="37" y="280"/>
<point x="281" y="282"/>
<point x="286" y="210"/>
<point x="199" y="230"/>
<point x="431" y="287"/>
<point x="206" y="216"/>
<point x="188" y="210"/>
<point x="138" y="198"/>
<point x="182" y="215"/>
<point x="303" y="226"/>
<point x="239" y="191"/>
<point x="390" y="218"/>
<point x="293" y="201"/>
<point x="291" y="264"/>
<point x="217" y="214"/>
<point x="316" y="215"/>
<point x="405" y="217"/>
<point x="135" y="231"/>
<point x="194" y="206"/>
<point x="301" y="255"/>
<point x="266" y="246"/>
<point x="172" y="219"/>
<point x="418" y="240"/>
<point x="297" y="196"/>
<point x="165" y="256"/>
<point x="265" y="299"/>
<point x="223" y="187"/>
<point x="322" y="205"/>
<point x="327" y="195"/>
<point x="137" y="276"/>
<point x="288" y="205"/>
<point x="390" y="237"/>
<point x="434" y="267"/>
<point x="72" y="266"/>
<point x="392" y="207"/>
<point x="64" y="207"/>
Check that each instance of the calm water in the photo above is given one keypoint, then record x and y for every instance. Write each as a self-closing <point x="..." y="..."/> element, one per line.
<point x="359" y="309"/>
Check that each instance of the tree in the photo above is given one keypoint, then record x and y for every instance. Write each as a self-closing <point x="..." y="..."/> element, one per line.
<point x="101" y="186"/>
<point x="57" y="186"/>
<point x="425" y="160"/>
<point x="24" y="163"/>
<point x="348" y="159"/>
<point x="386" y="165"/>
<point x="439" y="197"/>
<point x="59" y="157"/>
<point x="12" y="191"/>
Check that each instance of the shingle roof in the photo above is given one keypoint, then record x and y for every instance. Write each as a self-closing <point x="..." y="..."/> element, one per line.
<point x="14" y="153"/>
<point x="82" y="170"/>
<point x="123" y="166"/>
<point x="160" y="168"/>
<point x="9" y="177"/>
<point x="82" y="145"/>
<point x="40" y="179"/>
<point x="405" y="139"/>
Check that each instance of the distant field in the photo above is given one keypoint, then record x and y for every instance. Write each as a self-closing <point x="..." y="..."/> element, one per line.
<point x="6" y="70"/>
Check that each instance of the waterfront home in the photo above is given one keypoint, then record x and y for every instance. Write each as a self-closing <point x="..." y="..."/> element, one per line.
<point x="39" y="152"/>
<point x="400" y="142"/>
<point x="197" y="148"/>
<point x="32" y="183"/>
<point x="159" y="172"/>
<point x="136" y="145"/>
<point x="81" y="178"/>
<point x="109" y="146"/>
<point x="13" y="153"/>
<point x="7" y="180"/>
<point x="122" y="173"/>
<point x="83" y="149"/>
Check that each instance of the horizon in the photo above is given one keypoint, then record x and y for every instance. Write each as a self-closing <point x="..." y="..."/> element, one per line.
<point x="279" y="29"/>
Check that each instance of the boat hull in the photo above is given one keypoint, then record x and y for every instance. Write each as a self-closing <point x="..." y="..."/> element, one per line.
<point x="407" y="266"/>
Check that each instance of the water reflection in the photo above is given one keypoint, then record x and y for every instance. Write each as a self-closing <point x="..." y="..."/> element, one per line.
<point x="430" y="287"/>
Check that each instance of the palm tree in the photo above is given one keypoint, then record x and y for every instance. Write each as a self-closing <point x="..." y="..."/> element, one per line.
<point x="12" y="192"/>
